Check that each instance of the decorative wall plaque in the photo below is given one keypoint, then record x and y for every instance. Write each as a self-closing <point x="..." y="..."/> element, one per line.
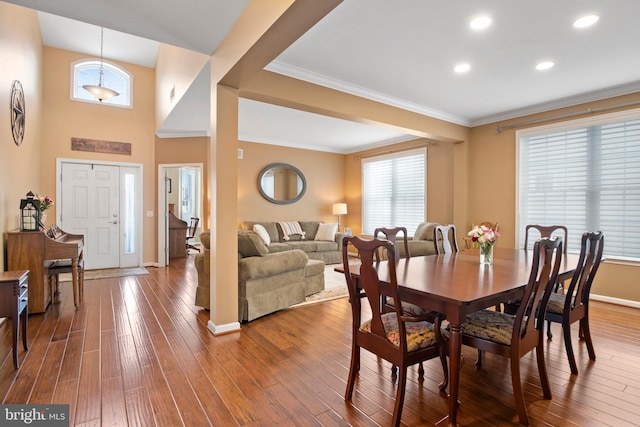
<point x="97" y="146"/>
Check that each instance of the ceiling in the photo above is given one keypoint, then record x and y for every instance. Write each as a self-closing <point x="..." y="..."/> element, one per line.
<point x="400" y="53"/>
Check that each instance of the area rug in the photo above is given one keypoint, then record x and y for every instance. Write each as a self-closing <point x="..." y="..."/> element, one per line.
<point x="107" y="273"/>
<point x="335" y="287"/>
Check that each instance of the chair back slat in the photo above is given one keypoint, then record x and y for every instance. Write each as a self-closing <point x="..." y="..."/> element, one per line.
<point x="547" y="256"/>
<point x="591" y="247"/>
<point x="547" y="231"/>
<point x="391" y="234"/>
<point x="446" y="234"/>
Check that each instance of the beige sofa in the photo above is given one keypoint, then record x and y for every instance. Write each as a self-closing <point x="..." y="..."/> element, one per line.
<point x="328" y="251"/>
<point x="421" y="244"/>
<point x="267" y="282"/>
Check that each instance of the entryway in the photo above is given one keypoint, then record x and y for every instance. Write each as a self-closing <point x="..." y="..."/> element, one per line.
<point x="102" y="201"/>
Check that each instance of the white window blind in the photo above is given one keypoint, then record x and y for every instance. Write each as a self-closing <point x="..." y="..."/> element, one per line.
<point x="393" y="188"/>
<point x="586" y="178"/>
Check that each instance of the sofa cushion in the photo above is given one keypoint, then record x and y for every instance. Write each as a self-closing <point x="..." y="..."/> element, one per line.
<point x="272" y="264"/>
<point x="276" y="247"/>
<point x="294" y="231"/>
<point x="270" y="226"/>
<point x="304" y="245"/>
<point x="424" y="231"/>
<point x="205" y="239"/>
<point x="327" y="232"/>
<point x="310" y="228"/>
<point x="263" y="233"/>
<point x="324" y="246"/>
<point x="250" y="244"/>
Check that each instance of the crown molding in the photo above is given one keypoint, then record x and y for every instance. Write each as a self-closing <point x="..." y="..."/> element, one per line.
<point x="315" y="78"/>
<point x="181" y="133"/>
<point x="321" y="80"/>
<point x="569" y="101"/>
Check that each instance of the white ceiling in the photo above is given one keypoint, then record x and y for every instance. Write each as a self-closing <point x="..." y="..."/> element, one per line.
<point x="401" y="53"/>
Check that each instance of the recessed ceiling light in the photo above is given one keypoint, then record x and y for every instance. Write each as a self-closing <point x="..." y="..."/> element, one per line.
<point x="544" y="65"/>
<point x="462" y="68"/>
<point x="586" y="21"/>
<point x="481" y="22"/>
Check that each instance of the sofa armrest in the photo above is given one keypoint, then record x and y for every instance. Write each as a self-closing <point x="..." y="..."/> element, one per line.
<point x="256" y="267"/>
<point x="339" y="238"/>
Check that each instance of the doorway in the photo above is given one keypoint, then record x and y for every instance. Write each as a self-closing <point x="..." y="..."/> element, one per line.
<point x="179" y="194"/>
<point x="103" y="202"/>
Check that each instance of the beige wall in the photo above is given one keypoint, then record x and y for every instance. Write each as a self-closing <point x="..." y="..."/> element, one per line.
<point x="21" y="59"/>
<point x="440" y="191"/>
<point x="64" y="119"/>
<point x="176" y="69"/>
<point x="324" y="173"/>
<point x="182" y="151"/>
<point x="492" y="194"/>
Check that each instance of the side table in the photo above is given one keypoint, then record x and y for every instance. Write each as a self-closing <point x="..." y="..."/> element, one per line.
<point x="14" y="291"/>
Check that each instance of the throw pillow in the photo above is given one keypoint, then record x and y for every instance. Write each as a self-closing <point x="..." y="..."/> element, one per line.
<point x="250" y="244"/>
<point x="424" y="231"/>
<point x="327" y="232"/>
<point x="262" y="232"/>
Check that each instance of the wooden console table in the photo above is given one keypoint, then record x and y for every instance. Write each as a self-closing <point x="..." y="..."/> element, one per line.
<point x="14" y="301"/>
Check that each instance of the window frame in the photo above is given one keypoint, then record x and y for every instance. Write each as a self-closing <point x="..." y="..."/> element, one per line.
<point x="566" y="126"/>
<point x="95" y="63"/>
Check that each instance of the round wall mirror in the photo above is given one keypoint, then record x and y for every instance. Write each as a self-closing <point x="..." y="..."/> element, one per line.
<point x="281" y="183"/>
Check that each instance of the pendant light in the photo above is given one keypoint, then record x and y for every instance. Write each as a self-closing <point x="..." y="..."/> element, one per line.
<point x="100" y="91"/>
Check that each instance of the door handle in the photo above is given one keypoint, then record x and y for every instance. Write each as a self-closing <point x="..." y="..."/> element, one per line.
<point x="113" y="222"/>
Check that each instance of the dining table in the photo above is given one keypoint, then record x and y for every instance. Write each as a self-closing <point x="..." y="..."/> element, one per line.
<point x="457" y="284"/>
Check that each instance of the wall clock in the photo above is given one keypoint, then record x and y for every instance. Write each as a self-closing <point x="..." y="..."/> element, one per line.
<point x="17" y="112"/>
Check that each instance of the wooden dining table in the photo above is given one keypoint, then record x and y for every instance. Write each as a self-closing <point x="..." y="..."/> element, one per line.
<point x="457" y="284"/>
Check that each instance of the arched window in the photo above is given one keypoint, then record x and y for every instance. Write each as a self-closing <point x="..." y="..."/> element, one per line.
<point x="113" y="77"/>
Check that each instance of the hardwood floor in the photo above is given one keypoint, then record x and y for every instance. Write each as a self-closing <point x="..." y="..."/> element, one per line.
<point x="137" y="352"/>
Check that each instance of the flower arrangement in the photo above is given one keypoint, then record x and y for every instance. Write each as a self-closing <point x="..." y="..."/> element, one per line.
<point x="483" y="235"/>
<point x="484" y="238"/>
<point x="45" y="202"/>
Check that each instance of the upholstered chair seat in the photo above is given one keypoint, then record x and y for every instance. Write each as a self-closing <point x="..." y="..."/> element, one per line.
<point x="419" y="334"/>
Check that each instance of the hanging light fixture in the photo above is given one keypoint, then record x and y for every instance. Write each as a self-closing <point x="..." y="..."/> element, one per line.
<point x="100" y="91"/>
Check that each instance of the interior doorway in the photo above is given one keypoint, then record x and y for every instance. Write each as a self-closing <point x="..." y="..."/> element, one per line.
<point x="179" y="195"/>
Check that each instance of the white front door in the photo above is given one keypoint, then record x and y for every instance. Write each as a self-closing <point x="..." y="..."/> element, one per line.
<point x="90" y="206"/>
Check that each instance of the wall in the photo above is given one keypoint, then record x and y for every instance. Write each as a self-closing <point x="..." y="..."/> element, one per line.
<point x="64" y="119"/>
<point x="492" y="194"/>
<point x="324" y="173"/>
<point x="21" y="59"/>
<point x="440" y="194"/>
<point x="177" y="151"/>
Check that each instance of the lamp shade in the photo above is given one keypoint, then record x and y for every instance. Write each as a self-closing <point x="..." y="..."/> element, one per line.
<point x="339" y="208"/>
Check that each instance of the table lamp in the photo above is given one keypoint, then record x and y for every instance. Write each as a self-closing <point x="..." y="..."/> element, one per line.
<point x="339" y="209"/>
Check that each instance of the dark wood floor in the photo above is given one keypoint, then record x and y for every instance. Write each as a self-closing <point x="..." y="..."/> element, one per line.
<point x="138" y="353"/>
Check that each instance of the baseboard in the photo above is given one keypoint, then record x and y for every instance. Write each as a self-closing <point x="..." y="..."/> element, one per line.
<point x="223" y="329"/>
<point x="618" y="301"/>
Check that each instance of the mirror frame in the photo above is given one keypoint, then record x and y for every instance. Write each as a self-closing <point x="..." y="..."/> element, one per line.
<point x="285" y="166"/>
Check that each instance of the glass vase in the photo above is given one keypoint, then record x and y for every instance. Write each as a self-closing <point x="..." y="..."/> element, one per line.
<point x="486" y="254"/>
<point x="42" y="217"/>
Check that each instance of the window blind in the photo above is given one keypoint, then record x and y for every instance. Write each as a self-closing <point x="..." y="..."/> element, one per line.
<point x="586" y="178"/>
<point x="393" y="189"/>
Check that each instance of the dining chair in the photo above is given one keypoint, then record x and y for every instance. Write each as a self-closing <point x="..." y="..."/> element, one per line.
<point x="573" y="305"/>
<point x="468" y="242"/>
<point x="546" y="231"/>
<point x="388" y="304"/>
<point x="391" y="234"/>
<point x="191" y="233"/>
<point x="446" y="234"/>
<point x="513" y="336"/>
<point x="399" y="339"/>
